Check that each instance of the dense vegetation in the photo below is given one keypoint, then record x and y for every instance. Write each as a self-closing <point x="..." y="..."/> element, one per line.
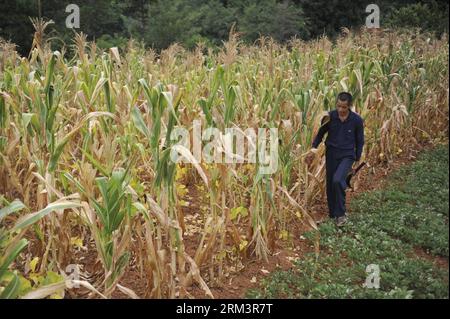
<point x="86" y="177"/>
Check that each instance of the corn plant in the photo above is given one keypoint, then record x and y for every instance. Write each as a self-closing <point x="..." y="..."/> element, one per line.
<point x="12" y="244"/>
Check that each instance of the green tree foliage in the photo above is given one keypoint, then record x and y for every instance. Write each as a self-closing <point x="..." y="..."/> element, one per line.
<point x="160" y="23"/>
<point x="172" y="21"/>
<point x="15" y="24"/>
<point x="431" y="16"/>
<point x="327" y="17"/>
<point x="280" y="20"/>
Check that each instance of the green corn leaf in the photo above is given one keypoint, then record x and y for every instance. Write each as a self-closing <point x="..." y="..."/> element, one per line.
<point x="138" y="121"/>
<point x="69" y="177"/>
<point x="12" y="289"/>
<point x="60" y="147"/>
<point x="29" y="219"/>
<point x="3" y="112"/>
<point x="50" y="72"/>
<point x="6" y="261"/>
<point x="96" y="164"/>
<point x="109" y="103"/>
<point x="15" y="206"/>
<point x="204" y="105"/>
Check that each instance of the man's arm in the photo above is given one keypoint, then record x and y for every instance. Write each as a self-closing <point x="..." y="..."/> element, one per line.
<point x="318" y="139"/>
<point x="359" y="139"/>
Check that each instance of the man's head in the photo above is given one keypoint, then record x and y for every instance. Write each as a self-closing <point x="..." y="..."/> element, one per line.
<point x="344" y="102"/>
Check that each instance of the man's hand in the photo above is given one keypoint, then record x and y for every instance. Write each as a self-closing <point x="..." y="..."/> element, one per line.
<point x="354" y="166"/>
<point x="309" y="158"/>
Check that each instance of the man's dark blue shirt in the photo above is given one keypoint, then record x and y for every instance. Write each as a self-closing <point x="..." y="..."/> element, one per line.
<point x="346" y="136"/>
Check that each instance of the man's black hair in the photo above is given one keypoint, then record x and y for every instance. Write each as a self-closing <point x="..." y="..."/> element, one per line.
<point x="346" y="97"/>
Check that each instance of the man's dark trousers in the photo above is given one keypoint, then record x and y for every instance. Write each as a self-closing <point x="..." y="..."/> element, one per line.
<point x="338" y="165"/>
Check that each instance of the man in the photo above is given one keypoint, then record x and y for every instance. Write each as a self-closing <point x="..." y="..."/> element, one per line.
<point x="344" y="145"/>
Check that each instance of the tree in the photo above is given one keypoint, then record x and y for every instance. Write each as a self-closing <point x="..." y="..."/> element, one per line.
<point x="281" y="20"/>
<point x="135" y="16"/>
<point x="15" y="24"/>
<point x="429" y="16"/>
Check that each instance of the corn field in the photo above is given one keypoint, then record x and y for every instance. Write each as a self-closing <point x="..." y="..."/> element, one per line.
<point x="86" y="179"/>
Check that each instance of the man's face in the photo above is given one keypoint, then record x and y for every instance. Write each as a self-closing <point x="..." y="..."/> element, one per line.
<point x="342" y="107"/>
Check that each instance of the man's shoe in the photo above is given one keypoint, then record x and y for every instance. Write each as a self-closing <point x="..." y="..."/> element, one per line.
<point x="340" y="221"/>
